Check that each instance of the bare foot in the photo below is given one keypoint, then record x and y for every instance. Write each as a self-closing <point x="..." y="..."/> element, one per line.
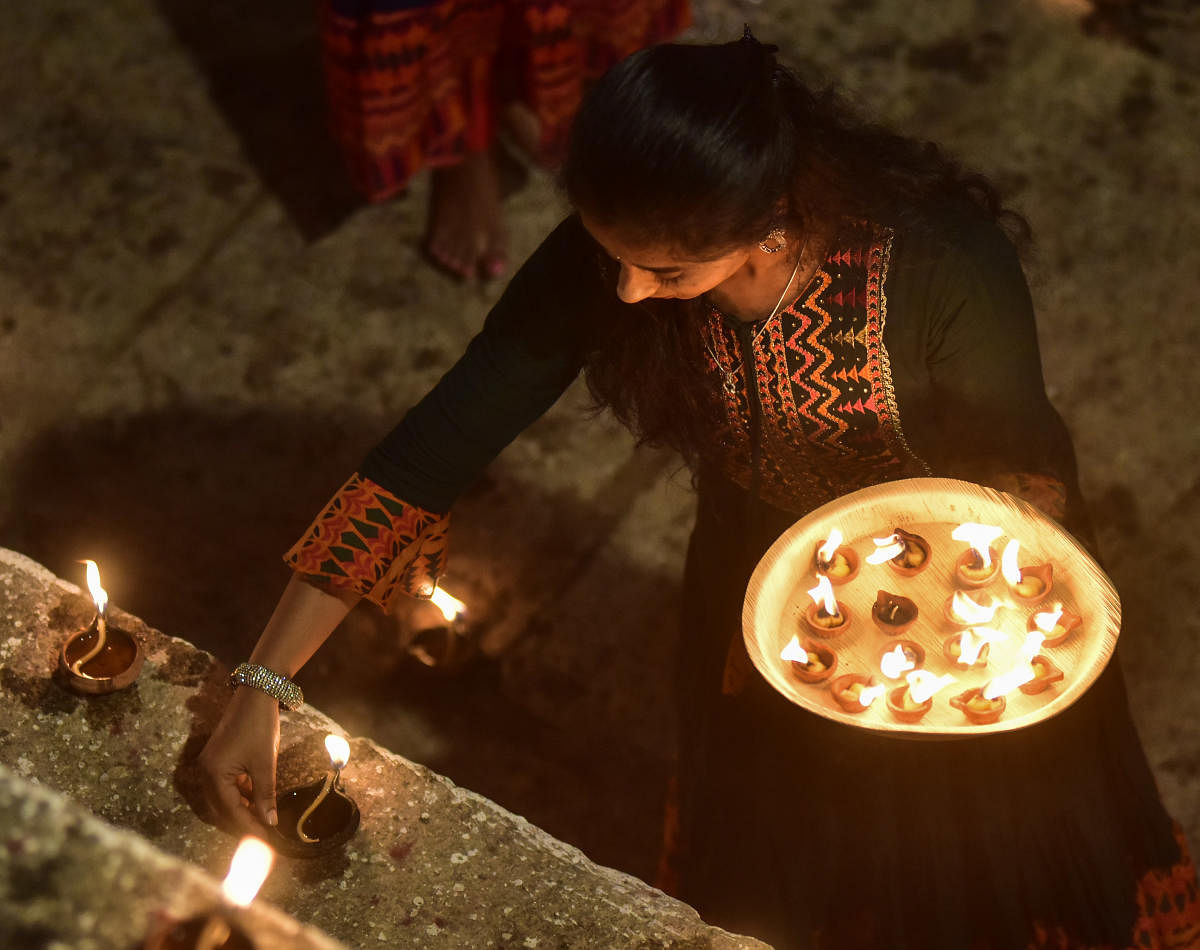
<point x="464" y="231"/>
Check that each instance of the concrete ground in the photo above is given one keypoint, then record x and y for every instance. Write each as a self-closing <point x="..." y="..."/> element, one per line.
<point x="201" y="331"/>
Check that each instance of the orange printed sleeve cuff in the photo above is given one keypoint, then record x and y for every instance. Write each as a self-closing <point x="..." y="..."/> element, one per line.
<point x="368" y="541"/>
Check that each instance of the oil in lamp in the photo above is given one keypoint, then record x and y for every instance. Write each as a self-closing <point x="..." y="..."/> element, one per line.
<point x="906" y="554"/>
<point x="318" y="817"/>
<point x="892" y="613"/>
<point x="217" y="930"/>
<point x="900" y="658"/>
<point x="855" y="692"/>
<point x="811" y="662"/>
<point x="835" y="560"/>
<point x="1055" y="625"/>
<point x="1029" y="585"/>
<point x="825" y="616"/>
<point x="978" y="565"/>
<point x="912" y="699"/>
<point x="102" y="658"/>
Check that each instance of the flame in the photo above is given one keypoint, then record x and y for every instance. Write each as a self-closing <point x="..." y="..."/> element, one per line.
<point x="249" y="868"/>
<point x="823" y="594"/>
<point x="968" y="610"/>
<point x="886" y="549"/>
<point x="1008" y="562"/>
<point x="979" y="536"/>
<point x="338" y="749"/>
<point x="827" y="550"/>
<point x="794" y="652"/>
<point x="1032" y="646"/>
<point x="896" y="662"/>
<point x="869" y="694"/>
<point x="972" y="641"/>
<point x="451" y="607"/>
<point x="1021" y="673"/>
<point x="922" y="684"/>
<point x="1047" y="620"/>
<point x="99" y="594"/>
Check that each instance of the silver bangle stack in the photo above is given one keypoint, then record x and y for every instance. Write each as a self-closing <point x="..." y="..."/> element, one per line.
<point x="273" y="684"/>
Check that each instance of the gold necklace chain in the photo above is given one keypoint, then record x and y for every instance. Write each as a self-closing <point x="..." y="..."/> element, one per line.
<point x="729" y="374"/>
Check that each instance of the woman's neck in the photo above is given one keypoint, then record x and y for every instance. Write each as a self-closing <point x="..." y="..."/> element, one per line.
<point x="754" y="292"/>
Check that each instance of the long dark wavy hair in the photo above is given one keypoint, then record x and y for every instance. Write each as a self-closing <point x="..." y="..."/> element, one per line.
<point x="704" y="148"/>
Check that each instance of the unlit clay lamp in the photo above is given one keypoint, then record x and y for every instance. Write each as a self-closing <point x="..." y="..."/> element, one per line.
<point x="978" y="708"/>
<point x="318" y="817"/>
<point x="825" y="616"/>
<point x="811" y="662"/>
<point x="892" y="613"/>
<point x="1029" y="585"/>
<point x="217" y="930"/>
<point x="979" y="564"/>
<point x="855" y="692"/>
<point x="103" y="658"/>
<point x="1055" y="625"/>
<point x="906" y="554"/>
<point x="835" y="560"/>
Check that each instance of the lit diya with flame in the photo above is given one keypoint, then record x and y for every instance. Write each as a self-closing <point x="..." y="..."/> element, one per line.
<point x="963" y="610"/>
<point x="217" y="930"/>
<point x="986" y="704"/>
<point x="979" y="564"/>
<point x="910" y="701"/>
<point x="893" y="613"/>
<point x="447" y="645"/>
<point x="1029" y="585"/>
<point x="825" y="616"/>
<point x="811" y="662"/>
<point x="318" y="817"/>
<point x="971" y="648"/>
<point x="855" y="692"/>
<point x="906" y="554"/>
<point x="1055" y="625"/>
<point x="102" y="658"/>
<point x="835" y="560"/>
<point x="900" y="658"/>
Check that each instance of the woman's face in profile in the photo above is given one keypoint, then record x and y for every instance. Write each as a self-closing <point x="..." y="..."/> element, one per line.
<point x="663" y="272"/>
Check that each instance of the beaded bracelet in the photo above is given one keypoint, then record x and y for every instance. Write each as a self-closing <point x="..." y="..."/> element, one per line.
<point x="273" y="684"/>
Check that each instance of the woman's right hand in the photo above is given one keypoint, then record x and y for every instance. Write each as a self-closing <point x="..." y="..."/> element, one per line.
<point x="237" y="765"/>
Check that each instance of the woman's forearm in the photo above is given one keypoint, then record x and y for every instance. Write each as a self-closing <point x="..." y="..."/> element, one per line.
<point x="303" y="619"/>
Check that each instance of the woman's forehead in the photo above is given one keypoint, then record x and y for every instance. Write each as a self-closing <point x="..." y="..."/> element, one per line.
<point x="628" y="245"/>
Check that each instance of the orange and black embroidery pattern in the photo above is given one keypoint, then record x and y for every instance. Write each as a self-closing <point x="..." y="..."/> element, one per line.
<point x="830" y="423"/>
<point x="368" y="541"/>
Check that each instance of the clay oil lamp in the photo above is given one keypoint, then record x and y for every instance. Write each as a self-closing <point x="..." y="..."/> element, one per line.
<point x="892" y="613"/>
<point x="102" y="658"/>
<point x="835" y="560"/>
<point x="978" y="565"/>
<point x="1055" y="625"/>
<point x="906" y="554"/>
<point x="825" y="617"/>
<point x="901" y="658"/>
<point x="963" y="610"/>
<point x="978" y="708"/>
<point x="912" y="699"/>
<point x="318" y="817"/>
<point x="970" y="649"/>
<point x="217" y="930"/>
<point x="811" y="662"/>
<point x="1045" y="672"/>
<point x="1028" y="585"/>
<point x="855" y="692"/>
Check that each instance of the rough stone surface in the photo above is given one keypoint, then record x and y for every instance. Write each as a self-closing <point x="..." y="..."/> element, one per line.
<point x="432" y="865"/>
<point x="200" y="333"/>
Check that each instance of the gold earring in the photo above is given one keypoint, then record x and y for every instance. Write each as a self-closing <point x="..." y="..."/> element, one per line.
<point x="778" y="237"/>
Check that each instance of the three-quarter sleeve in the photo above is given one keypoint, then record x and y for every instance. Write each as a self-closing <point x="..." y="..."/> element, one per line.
<point x="384" y="532"/>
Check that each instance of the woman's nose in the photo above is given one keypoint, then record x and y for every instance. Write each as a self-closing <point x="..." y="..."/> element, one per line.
<point x="634" y="284"/>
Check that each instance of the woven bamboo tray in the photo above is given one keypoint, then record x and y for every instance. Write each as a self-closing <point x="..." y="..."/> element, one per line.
<point x="777" y="597"/>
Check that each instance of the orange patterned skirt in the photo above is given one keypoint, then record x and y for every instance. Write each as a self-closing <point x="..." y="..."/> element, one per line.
<point x="418" y="83"/>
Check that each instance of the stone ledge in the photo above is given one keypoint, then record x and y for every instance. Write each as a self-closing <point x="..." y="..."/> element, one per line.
<point x="432" y="864"/>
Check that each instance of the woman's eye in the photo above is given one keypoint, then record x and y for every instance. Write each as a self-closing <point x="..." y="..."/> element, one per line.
<point x="670" y="281"/>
